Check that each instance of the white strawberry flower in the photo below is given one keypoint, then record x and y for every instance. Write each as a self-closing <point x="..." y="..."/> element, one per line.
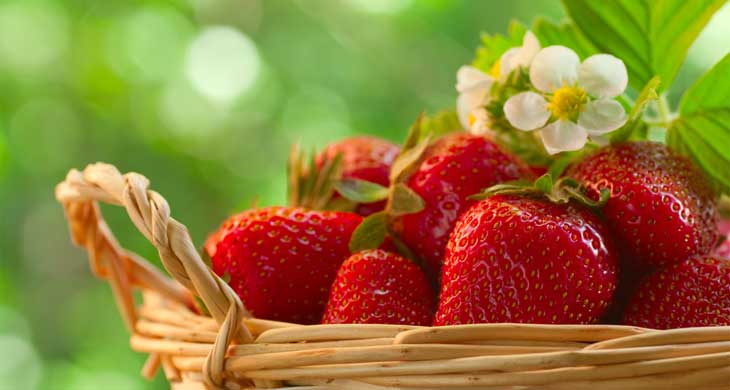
<point x="474" y="85"/>
<point x="521" y="56"/>
<point x="579" y="97"/>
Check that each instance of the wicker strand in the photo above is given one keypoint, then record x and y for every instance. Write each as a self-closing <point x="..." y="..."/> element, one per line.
<point x="150" y="213"/>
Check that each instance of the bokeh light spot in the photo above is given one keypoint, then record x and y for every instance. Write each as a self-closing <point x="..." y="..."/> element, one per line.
<point x="381" y="6"/>
<point x="188" y="114"/>
<point x="150" y="44"/>
<point x="222" y="63"/>
<point x="20" y="367"/>
<point x="315" y="116"/>
<point x="33" y="36"/>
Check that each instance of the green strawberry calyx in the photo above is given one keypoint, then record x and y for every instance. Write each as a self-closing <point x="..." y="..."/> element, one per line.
<point x="561" y="191"/>
<point x="311" y="187"/>
<point x="401" y="200"/>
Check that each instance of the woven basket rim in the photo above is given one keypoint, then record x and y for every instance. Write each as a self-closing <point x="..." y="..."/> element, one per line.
<point x="231" y="349"/>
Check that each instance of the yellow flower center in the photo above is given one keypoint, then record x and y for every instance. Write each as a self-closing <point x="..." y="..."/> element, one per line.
<point x="567" y="102"/>
<point x="472" y="119"/>
<point x="494" y="70"/>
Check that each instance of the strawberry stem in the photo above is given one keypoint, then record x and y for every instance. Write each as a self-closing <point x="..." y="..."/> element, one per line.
<point x="561" y="191"/>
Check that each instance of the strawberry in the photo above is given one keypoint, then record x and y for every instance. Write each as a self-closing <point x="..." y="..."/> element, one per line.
<point x="661" y="208"/>
<point x="379" y="287"/>
<point x="692" y="293"/>
<point x="282" y="260"/>
<point x="364" y="158"/>
<point x="538" y="170"/>
<point x="453" y="167"/>
<point x="525" y="259"/>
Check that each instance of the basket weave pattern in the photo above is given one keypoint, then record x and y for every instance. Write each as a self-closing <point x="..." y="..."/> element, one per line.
<point x="231" y="350"/>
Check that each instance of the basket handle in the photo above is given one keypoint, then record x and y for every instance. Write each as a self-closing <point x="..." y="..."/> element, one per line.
<point x="149" y="211"/>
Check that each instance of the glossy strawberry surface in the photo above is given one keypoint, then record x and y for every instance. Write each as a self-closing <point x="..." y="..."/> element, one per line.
<point x="281" y="261"/>
<point x="692" y="293"/>
<point x="454" y="167"/>
<point x="365" y="158"/>
<point x="379" y="287"/>
<point x="514" y="259"/>
<point x="661" y="209"/>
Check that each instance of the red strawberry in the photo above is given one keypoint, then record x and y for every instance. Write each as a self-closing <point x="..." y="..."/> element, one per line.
<point x="538" y="170"/>
<point x="695" y="292"/>
<point x="661" y="209"/>
<point x="379" y="287"/>
<point x="364" y="158"/>
<point x="453" y="168"/>
<point x="527" y="260"/>
<point x="282" y="260"/>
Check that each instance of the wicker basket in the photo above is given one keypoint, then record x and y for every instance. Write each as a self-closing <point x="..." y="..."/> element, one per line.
<point x="231" y="350"/>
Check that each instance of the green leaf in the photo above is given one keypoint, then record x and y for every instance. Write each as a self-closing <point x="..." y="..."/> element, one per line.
<point x="712" y="90"/>
<point x="370" y="233"/>
<point x="494" y="45"/>
<point x="407" y="160"/>
<point x="564" y="34"/>
<point x="703" y="129"/>
<point x="651" y="37"/>
<point x="559" y="165"/>
<point x="411" y="152"/>
<point x="705" y="138"/>
<point x="414" y="133"/>
<point x="361" y="191"/>
<point x="405" y="201"/>
<point x="443" y="122"/>
<point x="633" y="122"/>
<point x="544" y="183"/>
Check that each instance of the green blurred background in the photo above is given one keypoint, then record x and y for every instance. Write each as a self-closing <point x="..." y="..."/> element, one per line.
<point x="203" y="97"/>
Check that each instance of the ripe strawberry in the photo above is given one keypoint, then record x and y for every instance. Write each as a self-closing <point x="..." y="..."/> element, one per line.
<point x="364" y="158"/>
<point x="525" y="259"/>
<point x="661" y="209"/>
<point x="379" y="287"/>
<point x="282" y="260"/>
<point x="453" y="168"/>
<point x="695" y="292"/>
<point x="538" y="170"/>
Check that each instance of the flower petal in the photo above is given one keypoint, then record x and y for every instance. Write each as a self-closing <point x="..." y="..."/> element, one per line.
<point x="468" y="101"/>
<point x="469" y="77"/>
<point x="562" y="136"/>
<point x="508" y="62"/>
<point x="601" y="116"/>
<point x="526" y="111"/>
<point x="600" y="140"/>
<point x="603" y="75"/>
<point x="519" y="56"/>
<point x="530" y="48"/>
<point x="480" y="125"/>
<point x="554" y="67"/>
